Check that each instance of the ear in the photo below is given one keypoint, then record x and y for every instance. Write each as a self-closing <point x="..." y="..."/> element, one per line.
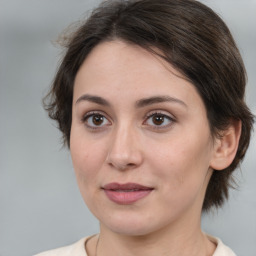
<point x="226" y="145"/>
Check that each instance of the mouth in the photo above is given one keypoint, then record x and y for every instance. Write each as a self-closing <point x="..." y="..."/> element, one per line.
<point x="127" y="193"/>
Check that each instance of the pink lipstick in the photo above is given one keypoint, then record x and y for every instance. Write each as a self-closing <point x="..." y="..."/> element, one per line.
<point x="126" y="193"/>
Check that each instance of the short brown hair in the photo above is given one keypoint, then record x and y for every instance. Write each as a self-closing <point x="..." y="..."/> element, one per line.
<point x="193" y="39"/>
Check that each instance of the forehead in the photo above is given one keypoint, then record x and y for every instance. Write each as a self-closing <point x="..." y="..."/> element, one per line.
<point x="118" y="70"/>
<point x="114" y="55"/>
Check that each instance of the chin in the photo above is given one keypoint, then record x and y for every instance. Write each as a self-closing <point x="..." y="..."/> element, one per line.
<point x="131" y="230"/>
<point x="129" y="225"/>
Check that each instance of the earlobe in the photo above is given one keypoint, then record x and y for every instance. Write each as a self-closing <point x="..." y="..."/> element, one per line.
<point x="226" y="145"/>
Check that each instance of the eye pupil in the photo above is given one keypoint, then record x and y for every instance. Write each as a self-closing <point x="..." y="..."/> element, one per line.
<point x="158" y="119"/>
<point x="97" y="119"/>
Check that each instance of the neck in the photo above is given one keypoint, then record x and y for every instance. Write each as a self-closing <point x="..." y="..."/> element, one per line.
<point x="186" y="242"/>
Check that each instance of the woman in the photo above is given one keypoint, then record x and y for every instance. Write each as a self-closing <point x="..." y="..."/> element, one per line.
<point x="150" y="100"/>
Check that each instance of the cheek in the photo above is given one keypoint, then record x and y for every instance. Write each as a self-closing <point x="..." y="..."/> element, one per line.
<point x="182" y="176"/>
<point x="183" y="162"/>
<point x="87" y="157"/>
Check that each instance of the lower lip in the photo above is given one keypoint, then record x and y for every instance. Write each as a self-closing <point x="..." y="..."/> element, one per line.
<point x="124" y="197"/>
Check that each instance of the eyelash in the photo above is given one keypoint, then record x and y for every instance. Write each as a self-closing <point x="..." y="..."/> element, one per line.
<point x="147" y="118"/>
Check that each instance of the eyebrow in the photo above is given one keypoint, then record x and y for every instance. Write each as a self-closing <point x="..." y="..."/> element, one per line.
<point x="139" y="104"/>
<point x="94" y="99"/>
<point x="158" y="99"/>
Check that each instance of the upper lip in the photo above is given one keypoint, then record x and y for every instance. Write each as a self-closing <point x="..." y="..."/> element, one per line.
<point x="126" y="186"/>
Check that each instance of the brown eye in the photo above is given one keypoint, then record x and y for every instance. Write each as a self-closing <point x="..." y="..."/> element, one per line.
<point x="158" y="119"/>
<point x="97" y="120"/>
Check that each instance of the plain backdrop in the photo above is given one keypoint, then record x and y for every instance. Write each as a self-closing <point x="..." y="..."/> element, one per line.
<point x="40" y="205"/>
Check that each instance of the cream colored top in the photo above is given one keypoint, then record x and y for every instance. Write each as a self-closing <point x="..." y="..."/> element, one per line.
<point x="78" y="249"/>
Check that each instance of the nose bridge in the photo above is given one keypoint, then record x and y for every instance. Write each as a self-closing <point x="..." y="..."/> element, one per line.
<point x="124" y="151"/>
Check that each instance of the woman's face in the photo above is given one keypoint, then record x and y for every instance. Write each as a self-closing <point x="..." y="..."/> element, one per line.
<point x="140" y="141"/>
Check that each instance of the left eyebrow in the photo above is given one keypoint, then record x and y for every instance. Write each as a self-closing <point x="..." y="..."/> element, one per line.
<point x="158" y="99"/>
<point x="94" y="99"/>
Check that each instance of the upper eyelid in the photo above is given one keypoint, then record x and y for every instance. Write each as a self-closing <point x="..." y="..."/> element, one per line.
<point x="95" y="112"/>
<point x="160" y="112"/>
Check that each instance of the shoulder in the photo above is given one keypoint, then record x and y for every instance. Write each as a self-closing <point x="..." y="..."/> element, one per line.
<point x="77" y="249"/>
<point x="221" y="249"/>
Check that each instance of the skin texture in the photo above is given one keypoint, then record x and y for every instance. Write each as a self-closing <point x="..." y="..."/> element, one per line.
<point x="174" y="158"/>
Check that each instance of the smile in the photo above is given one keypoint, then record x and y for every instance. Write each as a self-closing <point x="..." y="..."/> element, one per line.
<point x="127" y="193"/>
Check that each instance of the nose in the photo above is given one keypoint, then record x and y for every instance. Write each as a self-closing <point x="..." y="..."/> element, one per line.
<point x="124" y="152"/>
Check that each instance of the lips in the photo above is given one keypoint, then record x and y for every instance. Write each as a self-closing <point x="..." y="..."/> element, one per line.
<point x="128" y="193"/>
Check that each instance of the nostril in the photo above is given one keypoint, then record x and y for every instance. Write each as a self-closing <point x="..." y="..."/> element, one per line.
<point x="123" y="157"/>
<point x="121" y="166"/>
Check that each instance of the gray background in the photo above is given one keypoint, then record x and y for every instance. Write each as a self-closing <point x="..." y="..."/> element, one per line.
<point x="40" y="205"/>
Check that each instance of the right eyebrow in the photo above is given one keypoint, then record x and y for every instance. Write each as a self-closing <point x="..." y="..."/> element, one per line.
<point x="94" y="99"/>
<point x="158" y="99"/>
